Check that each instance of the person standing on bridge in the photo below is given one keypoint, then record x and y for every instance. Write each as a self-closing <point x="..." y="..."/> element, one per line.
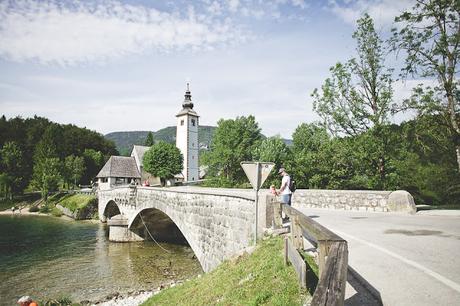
<point x="284" y="191"/>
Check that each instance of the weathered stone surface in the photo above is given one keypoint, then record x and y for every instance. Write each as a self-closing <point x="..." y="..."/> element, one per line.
<point x="216" y="223"/>
<point x="401" y="201"/>
<point x="362" y="200"/>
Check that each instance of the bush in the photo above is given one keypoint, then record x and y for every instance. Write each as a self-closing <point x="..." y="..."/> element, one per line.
<point x="56" y="212"/>
<point x="65" y="301"/>
<point x="45" y="209"/>
<point x="34" y="209"/>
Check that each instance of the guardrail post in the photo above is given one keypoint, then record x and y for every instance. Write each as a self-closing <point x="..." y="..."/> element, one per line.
<point x="296" y="233"/>
<point x="286" y="259"/>
<point x="323" y="252"/>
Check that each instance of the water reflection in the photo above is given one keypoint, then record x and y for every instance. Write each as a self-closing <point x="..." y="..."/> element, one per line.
<point x="46" y="257"/>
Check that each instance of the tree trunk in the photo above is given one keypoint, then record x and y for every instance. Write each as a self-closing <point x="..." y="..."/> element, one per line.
<point x="458" y="157"/>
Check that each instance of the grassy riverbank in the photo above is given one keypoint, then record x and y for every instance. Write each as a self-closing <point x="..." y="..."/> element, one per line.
<point x="77" y="206"/>
<point x="257" y="279"/>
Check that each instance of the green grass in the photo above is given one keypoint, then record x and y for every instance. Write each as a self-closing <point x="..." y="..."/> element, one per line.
<point x="257" y="279"/>
<point x="76" y="202"/>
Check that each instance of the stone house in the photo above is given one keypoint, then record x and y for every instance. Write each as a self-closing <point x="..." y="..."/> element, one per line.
<point x="118" y="171"/>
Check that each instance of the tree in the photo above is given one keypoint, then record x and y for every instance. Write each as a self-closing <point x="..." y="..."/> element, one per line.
<point x="430" y="35"/>
<point x="234" y="141"/>
<point x="357" y="98"/>
<point x="308" y="159"/>
<point x="46" y="170"/>
<point x="358" y="95"/>
<point x="12" y="166"/>
<point x="149" y="141"/>
<point x="272" y="149"/>
<point x="163" y="160"/>
<point x="46" y="175"/>
<point x="93" y="163"/>
<point x="73" y="169"/>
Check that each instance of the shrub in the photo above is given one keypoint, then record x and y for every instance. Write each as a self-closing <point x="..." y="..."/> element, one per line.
<point x="56" y="212"/>
<point x="64" y="301"/>
<point x="45" y="209"/>
<point x="34" y="209"/>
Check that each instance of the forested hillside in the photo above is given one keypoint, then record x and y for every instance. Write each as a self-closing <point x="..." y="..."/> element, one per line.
<point x="124" y="141"/>
<point x="38" y="154"/>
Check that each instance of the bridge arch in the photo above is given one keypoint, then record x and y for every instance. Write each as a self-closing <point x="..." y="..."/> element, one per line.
<point x="216" y="226"/>
<point x="111" y="209"/>
<point x="163" y="228"/>
<point x="153" y="221"/>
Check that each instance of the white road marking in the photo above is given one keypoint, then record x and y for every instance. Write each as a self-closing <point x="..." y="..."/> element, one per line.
<point x="431" y="273"/>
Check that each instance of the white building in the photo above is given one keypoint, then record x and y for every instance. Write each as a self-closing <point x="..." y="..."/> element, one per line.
<point x="120" y="170"/>
<point x="187" y="138"/>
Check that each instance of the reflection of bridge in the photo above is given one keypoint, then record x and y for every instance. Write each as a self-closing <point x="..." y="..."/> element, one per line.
<point x="216" y="223"/>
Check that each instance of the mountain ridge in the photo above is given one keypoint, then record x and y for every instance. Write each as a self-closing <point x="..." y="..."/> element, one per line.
<point x="125" y="140"/>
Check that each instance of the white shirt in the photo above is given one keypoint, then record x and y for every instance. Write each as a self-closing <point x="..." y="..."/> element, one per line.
<point x="286" y="181"/>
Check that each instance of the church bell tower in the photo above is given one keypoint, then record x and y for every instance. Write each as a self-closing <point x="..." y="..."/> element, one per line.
<point x="187" y="137"/>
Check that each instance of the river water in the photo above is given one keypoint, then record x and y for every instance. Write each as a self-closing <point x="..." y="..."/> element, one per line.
<point x="48" y="257"/>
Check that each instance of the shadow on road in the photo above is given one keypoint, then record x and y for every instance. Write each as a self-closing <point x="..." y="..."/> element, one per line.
<point x="364" y="292"/>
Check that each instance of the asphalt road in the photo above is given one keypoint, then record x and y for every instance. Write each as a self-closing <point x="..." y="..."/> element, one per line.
<point x="402" y="259"/>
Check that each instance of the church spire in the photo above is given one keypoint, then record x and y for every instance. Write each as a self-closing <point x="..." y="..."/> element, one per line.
<point x="188" y="98"/>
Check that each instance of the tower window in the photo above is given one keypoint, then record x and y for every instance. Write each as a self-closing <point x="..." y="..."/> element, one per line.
<point x="182" y="122"/>
<point x="193" y="122"/>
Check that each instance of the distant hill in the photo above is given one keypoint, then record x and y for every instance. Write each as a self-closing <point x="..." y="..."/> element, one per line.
<point x="125" y="140"/>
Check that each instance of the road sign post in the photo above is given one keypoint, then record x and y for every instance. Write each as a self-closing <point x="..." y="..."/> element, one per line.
<point x="257" y="173"/>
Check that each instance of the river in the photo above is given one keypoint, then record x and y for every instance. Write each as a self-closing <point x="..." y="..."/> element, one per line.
<point x="48" y="257"/>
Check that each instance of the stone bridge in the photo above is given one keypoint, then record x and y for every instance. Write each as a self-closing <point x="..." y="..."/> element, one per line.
<point x="218" y="223"/>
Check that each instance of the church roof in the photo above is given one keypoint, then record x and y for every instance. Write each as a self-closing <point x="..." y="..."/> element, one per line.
<point x="139" y="151"/>
<point x="186" y="111"/>
<point x="120" y="166"/>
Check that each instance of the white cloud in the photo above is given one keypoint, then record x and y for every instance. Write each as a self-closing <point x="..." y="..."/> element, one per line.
<point x="51" y="32"/>
<point x="233" y="5"/>
<point x="382" y="11"/>
<point x="299" y="3"/>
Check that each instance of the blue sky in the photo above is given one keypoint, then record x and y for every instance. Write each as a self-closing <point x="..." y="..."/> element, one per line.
<point x="123" y="65"/>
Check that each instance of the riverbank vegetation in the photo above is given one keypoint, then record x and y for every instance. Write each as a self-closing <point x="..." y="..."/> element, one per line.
<point x="76" y="206"/>
<point x="82" y="206"/>
<point x="25" y="200"/>
<point x="357" y="144"/>
<point x="37" y="154"/>
<point x="260" y="278"/>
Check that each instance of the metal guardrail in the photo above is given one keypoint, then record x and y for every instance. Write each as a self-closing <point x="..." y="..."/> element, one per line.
<point x="332" y="255"/>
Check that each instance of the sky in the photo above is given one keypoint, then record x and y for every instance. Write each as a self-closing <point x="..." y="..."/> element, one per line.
<point x="111" y="65"/>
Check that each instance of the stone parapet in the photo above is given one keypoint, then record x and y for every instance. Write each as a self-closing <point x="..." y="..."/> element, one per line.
<point x="360" y="200"/>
